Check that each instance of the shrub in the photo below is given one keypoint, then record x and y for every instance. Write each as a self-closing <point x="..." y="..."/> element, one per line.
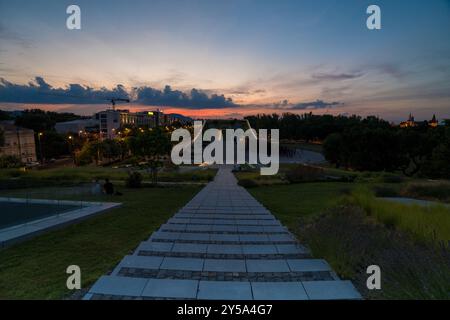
<point x="380" y="177"/>
<point x="391" y="178"/>
<point x="248" y="183"/>
<point x="134" y="180"/>
<point x="303" y="173"/>
<point x="383" y="191"/>
<point x="9" y="162"/>
<point x="348" y="178"/>
<point x="433" y="191"/>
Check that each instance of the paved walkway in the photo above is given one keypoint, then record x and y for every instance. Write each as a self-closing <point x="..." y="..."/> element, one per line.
<point x="222" y="245"/>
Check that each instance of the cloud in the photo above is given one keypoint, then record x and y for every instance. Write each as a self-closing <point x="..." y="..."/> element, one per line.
<point x="39" y="91"/>
<point x="243" y="91"/>
<point x="196" y="99"/>
<point x="286" y="105"/>
<point x="318" y="104"/>
<point x="336" y="76"/>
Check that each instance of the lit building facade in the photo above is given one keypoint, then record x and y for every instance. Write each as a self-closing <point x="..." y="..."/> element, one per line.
<point x="18" y="142"/>
<point x="408" y="123"/>
<point x="110" y="121"/>
<point x="433" y="123"/>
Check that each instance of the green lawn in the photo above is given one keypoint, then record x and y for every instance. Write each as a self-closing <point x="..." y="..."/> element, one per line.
<point x="36" y="269"/>
<point x="199" y="175"/>
<point x="290" y="202"/>
<point x="254" y="174"/>
<point x="430" y="224"/>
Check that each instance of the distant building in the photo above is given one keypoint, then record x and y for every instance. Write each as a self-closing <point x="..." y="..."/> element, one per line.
<point x="408" y="123"/>
<point x="412" y="123"/>
<point x="110" y="121"/>
<point x="433" y="123"/>
<point x="77" y="126"/>
<point x="18" y="142"/>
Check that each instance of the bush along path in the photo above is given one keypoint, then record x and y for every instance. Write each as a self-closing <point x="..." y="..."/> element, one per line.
<point x="222" y="245"/>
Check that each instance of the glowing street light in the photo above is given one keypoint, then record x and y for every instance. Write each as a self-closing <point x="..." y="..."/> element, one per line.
<point x="71" y="148"/>
<point x="40" y="134"/>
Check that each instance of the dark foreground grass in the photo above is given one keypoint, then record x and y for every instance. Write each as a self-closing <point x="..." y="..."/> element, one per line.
<point x="36" y="269"/>
<point x="351" y="241"/>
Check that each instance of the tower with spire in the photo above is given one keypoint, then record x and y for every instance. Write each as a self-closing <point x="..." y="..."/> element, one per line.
<point x="433" y="123"/>
<point x="409" y="123"/>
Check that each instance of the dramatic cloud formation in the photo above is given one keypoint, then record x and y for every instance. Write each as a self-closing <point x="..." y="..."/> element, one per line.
<point x="40" y="91"/>
<point x="174" y="98"/>
<point x="318" y="104"/>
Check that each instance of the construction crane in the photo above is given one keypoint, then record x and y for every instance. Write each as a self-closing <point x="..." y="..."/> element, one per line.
<point x="114" y="100"/>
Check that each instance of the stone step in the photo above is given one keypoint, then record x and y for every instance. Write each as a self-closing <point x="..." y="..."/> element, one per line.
<point x="221" y="238"/>
<point x="226" y="212"/>
<point x="222" y="265"/>
<point x="220" y="249"/>
<point x="224" y="216"/>
<point x="200" y="229"/>
<point x="226" y="276"/>
<point x="236" y="222"/>
<point x="113" y="287"/>
<point x="201" y="255"/>
<point x="224" y="242"/>
<point x="222" y="228"/>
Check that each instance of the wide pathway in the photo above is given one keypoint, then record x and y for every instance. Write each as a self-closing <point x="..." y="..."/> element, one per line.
<point x="222" y="245"/>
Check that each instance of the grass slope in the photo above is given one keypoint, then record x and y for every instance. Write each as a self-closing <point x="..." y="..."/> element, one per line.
<point x="36" y="269"/>
<point x="290" y="202"/>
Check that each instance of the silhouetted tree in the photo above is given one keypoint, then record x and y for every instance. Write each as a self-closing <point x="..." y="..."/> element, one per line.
<point x="152" y="144"/>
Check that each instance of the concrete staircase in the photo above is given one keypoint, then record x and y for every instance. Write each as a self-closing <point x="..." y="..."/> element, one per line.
<point x="222" y="245"/>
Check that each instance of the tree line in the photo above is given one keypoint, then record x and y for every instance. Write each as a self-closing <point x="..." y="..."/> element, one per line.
<point x="310" y="127"/>
<point x="423" y="151"/>
<point x="368" y="144"/>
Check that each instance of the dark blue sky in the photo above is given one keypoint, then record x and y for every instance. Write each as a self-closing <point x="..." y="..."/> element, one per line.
<point x="265" y="55"/>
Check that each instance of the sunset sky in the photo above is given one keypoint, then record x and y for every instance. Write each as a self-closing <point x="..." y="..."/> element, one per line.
<point x="241" y="57"/>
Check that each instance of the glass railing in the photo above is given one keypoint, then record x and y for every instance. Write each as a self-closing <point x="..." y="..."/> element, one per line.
<point x="27" y="206"/>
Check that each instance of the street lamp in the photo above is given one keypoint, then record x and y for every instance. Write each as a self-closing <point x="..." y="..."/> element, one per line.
<point x="40" y="134"/>
<point x="70" y="148"/>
